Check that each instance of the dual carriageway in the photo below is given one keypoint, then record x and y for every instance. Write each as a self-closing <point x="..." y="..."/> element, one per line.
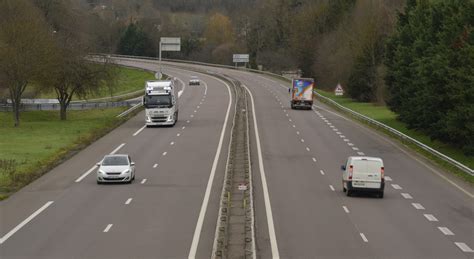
<point x="172" y="208"/>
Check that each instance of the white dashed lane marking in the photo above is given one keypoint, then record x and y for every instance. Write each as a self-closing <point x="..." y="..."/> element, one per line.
<point x="172" y="143"/>
<point x="314" y="159"/>
<point x="465" y="248"/>
<point x="109" y="226"/>
<point x="143" y="181"/>
<point x="138" y="131"/>
<point x="345" y="209"/>
<point x="332" y="188"/>
<point x="430" y="217"/>
<point x="396" y="187"/>
<point x="446" y="231"/>
<point x="388" y="179"/>
<point x="164" y="153"/>
<point x="407" y="196"/>
<point x="418" y="206"/>
<point x="128" y="201"/>
<point x="361" y="153"/>
<point x="321" y="171"/>
<point x="350" y="144"/>
<point x="307" y="149"/>
<point x="364" y="238"/>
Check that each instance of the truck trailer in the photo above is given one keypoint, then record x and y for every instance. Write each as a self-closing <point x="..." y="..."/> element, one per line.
<point x="302" y="93"/>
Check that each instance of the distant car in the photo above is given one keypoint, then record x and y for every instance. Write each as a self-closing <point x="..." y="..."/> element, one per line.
<point x="194" y="81"/>
<point x="116" y="168"/>
<point x="363" y="173"/>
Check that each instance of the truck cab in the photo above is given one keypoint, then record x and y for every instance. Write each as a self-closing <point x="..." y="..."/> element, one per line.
<point x="160" y="102"/>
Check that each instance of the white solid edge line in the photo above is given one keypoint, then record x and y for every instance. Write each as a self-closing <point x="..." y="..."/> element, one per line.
<point x="184" y="86"/>
<point x="117" y="149"/>
<point x="202" y="213"/>
<point x="363" y="237"/>
<point x="205" y="87"/>
<point x="138" y="131"/>
<point x="109" y="226"/>
<point x="24" y="222"/>
<point x="266" y="195"/>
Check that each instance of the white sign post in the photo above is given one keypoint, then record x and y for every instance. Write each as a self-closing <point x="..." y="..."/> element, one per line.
<point x="241" y="58"/>
<point x="338" y="91"/>
<point x="168" y="44"/>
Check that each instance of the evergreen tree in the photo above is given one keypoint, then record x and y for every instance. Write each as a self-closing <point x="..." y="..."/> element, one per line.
<point x="430" y="62"/>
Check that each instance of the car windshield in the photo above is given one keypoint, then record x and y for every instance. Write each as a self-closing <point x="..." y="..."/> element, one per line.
<point x="115" y="160"/>
<point x="157" y="101"/>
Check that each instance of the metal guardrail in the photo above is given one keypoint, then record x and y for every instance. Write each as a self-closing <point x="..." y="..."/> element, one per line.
<point x="72" y="106"/>
<point x="136" y="106"/>
<point x="405" y="137"/>
<point x="400" y="135"/>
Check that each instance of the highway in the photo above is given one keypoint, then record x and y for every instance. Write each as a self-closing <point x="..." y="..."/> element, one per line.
<point x="171" y="209"/>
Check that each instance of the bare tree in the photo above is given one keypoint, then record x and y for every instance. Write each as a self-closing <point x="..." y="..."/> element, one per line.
<point x="25" y="49"/>
<point x="77" y="76"/>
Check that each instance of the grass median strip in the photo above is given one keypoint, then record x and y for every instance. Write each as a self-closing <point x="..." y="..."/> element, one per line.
<point x="384" y="115"/>
<point x="43" y="141"/>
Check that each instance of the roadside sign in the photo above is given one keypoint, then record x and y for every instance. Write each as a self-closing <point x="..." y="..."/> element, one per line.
<point x="338" y="91"/>
<point x="241" y="58"/>
<point x="158" y="75"/>
<point x="170" y="44"/>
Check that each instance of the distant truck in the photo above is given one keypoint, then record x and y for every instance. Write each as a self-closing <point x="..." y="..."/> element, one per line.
<point x="160" y="102"/>
<point x="302" y="93"/>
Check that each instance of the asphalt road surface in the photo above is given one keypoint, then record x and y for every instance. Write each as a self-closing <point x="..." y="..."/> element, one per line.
<point x="170" y="211"/>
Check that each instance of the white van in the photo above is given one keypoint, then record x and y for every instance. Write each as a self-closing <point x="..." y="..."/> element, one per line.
<point x="362" y="173"/>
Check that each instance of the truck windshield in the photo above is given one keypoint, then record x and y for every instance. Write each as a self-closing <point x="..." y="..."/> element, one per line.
<point x="157" y="101"/>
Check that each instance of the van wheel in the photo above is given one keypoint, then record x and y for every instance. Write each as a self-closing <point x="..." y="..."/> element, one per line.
<point x="380" y="195"/>
<point x="349" y="193"/>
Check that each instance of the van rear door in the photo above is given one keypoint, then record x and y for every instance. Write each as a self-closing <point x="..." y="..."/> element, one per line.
<point x="366" y="173"/>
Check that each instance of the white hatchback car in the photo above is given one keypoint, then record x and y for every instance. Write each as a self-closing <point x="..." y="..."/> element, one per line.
<point x="116" y="168"/>
<point x="363" y="173"/>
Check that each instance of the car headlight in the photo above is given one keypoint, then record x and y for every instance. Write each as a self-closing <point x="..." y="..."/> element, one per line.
<point x="100" y="172"/>
<point x="126" y="171"/>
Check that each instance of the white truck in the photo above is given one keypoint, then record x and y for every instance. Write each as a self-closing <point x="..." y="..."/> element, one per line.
<point x="302" y="93"/>
<point x="160" y="102"/>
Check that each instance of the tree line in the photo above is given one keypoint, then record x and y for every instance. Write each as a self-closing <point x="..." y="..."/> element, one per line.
<point x="413" y="55"/>
<point x="41" y="45"/>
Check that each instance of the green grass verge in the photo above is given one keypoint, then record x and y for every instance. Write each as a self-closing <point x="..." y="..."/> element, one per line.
<point x="129" y="80"/>
<point x="389" y="118"/>
<point x="43" y="141"/>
